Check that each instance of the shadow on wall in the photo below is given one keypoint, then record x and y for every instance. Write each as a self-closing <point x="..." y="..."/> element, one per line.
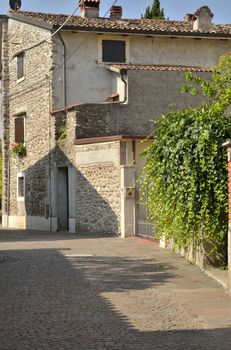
<point x="91" y="208"/>
<point x="52" y="301"/>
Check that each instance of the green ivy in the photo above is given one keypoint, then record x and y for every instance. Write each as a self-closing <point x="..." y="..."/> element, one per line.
<point x="186" y="167"/>
<point x="62" y="132"/>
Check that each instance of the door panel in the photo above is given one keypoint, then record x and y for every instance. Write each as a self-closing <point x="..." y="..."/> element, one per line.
<point x="145" y="227"/>
<point x="62" y="198"/>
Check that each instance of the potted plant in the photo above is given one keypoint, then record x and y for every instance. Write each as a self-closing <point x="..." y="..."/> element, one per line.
<point x="19" y="149"/>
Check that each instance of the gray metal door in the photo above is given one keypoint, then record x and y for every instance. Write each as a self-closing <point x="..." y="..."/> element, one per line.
<point x="145" y="227"/>
<point x="62" y="198"/>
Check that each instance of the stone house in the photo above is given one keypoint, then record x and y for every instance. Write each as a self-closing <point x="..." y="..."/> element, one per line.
<point x="78" y="101"/>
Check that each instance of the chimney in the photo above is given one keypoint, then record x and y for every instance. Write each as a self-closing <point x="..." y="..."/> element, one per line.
<point x="116" y="12"/>
<point x="189" y="17"/>
<point x="89" y="8"/>
<point x="203" y="18"/>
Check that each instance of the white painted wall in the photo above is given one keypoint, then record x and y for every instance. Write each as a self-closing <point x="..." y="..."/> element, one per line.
<point x="177" y="51"/>
<point x="89" y="81"/>
<point x="86" y="80"/>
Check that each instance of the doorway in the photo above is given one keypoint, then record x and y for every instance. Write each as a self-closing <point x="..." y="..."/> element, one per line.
<point x="62" y="199"/>
<point x="144" y="226"/>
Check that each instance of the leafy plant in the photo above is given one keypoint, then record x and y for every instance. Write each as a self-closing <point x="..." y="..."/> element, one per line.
<point x="186" y="169"/>
<point x="0" y="174"/>
<point x="19" y="149"/>
<point x="154" y="11"/>
<point x="62" y="132"/>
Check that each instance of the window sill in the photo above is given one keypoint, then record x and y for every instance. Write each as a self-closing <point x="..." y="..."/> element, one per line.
<point x="102" y="63"/>
<point x="20" y="80"/>
<point x="20" y="199"/>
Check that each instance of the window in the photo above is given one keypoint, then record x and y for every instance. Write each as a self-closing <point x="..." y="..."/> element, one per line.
<point x="20" y="66"/>
<point x="19" y="127"/>
<point x="114" y="51"/>
<point x="20" y="186"/>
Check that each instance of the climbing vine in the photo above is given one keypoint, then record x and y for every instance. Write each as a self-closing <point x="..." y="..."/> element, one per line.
<point x="186" y="171"/>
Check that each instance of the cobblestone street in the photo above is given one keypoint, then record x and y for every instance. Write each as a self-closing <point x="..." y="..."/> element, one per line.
<point x="62" y="291"/>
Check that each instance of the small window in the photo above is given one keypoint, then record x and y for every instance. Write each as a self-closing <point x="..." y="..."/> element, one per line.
<point x="20" y="66"/>
<point x="19" y="124"/>
<point x="20" y="186"/>
<point x="114" y="51"/>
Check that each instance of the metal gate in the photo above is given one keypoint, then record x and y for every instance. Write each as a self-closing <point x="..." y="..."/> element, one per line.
<point x="145" y="227"/>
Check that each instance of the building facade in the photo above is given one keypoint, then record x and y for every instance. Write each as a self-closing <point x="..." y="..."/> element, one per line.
<point x="77" y="104"/>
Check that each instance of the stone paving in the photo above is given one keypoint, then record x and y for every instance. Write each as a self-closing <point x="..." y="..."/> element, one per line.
<point x="62" y="291"/>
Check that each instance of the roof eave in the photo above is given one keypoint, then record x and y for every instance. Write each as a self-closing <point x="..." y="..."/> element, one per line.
<point x="31" y="21"/>
<point x="146" y="32"/>
<point x="111" y="138"/>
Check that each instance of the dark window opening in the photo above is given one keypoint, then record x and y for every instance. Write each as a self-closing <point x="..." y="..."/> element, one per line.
<point x="114" y="51"/>
<point x="20" y="66"/>
<point x="21" y="186"/>
<point x="19" y="129"/>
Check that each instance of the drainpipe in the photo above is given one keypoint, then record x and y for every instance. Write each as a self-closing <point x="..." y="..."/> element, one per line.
<point x="64" y="70"/>
<point x="123" y="72"/>
<point x="8" y="189"/>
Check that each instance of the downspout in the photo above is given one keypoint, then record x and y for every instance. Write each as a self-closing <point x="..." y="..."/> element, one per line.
<point x="123" y="72"/>
<point x="64" y="70"/>
<point x="8" y="188"/>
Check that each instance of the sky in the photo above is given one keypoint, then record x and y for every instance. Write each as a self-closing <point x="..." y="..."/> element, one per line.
<point x="174" y="9"/>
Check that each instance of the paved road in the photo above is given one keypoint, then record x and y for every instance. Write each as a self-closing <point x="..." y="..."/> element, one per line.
<point x="62" y="291"/>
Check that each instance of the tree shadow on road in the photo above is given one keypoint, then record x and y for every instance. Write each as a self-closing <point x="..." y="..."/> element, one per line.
<point x="17" y="235"/>
<point x="52" y="301"/>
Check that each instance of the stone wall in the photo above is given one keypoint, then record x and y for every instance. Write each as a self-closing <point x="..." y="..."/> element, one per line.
<point x="98" y="204"/>
<point x="97" y="178"/>
<point x="31" y="95"/>
<point x="5" y="115"/>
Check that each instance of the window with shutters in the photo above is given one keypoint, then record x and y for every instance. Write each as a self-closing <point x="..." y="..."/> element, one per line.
<point x="20" y="66"/>
<point x="114" y="51"/>
<point x="19" y="126"/>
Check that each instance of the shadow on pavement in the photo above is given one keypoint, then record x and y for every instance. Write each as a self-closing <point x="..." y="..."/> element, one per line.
<point x="17" y="235"/>
<point x="49" y="301"/>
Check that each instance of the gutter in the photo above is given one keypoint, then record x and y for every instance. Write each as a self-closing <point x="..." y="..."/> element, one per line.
<point x="123" y="72"/>
<point x="146" y="32"/>
<point x="64" y="70"/>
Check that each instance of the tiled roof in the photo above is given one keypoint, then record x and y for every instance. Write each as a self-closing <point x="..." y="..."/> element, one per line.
<point x="158" y="68"/>
<point x="142" y="26"/>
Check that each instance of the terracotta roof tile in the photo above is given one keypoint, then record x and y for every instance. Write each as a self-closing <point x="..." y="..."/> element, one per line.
<point x="145" y="26"/>
<point x="159" y="68"/>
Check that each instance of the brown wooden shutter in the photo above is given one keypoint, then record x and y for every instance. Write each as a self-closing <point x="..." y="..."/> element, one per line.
<point x="20" y="66"/>
<point x="114" y="51"/>
<point x="19" y="129"/>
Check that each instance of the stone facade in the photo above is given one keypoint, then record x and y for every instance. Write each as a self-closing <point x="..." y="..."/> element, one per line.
<point x="98" y="188"/>
<point x="32" y="96"/>
<point x="94" y="179"/>
<point x="5" y="116"/>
